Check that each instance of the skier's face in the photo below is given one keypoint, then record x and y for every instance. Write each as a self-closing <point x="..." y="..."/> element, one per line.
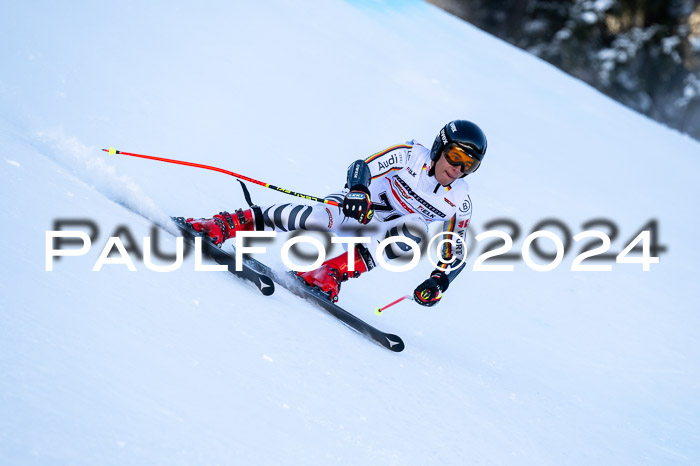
<point x="446" y="173"/>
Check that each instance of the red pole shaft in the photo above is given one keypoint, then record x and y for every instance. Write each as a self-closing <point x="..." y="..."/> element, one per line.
<point x="221" y="170"/>
<point x="379" y="310"/>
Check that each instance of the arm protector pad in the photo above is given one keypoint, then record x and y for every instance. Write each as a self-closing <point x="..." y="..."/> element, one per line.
<point x="358" y="174"/>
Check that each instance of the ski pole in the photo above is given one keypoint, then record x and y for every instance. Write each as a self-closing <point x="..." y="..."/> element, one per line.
<point x="113" y="151"/>
<point x="379" y="310"/>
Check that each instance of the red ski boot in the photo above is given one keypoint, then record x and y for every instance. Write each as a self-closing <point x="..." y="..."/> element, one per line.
<point x="333" y="272"/>
<point x="224" y="225"/>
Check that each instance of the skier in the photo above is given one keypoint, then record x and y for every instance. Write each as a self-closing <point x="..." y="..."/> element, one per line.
<point x="403" y="188"/>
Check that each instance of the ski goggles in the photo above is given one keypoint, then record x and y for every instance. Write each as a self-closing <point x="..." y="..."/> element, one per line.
<point x="456" y="156"/>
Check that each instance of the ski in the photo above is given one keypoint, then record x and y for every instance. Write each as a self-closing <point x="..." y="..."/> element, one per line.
<point x="250" y="270"/>
<point x="265" y="278"/>
<point x="298" y="287"/>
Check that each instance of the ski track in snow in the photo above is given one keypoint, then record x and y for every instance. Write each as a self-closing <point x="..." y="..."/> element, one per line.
<point x="88" y="164"/>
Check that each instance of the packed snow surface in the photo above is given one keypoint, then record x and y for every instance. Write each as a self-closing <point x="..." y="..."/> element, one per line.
<point x="186" y="367"/>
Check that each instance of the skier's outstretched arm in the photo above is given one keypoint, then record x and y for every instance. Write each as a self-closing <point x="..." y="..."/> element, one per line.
<point x="357" y="203"/>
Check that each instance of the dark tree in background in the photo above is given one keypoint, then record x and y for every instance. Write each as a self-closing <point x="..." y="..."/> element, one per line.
<point x="643" y="53"/>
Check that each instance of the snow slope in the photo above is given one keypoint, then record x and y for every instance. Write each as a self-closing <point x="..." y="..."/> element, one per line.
<point x="522" y="367"/>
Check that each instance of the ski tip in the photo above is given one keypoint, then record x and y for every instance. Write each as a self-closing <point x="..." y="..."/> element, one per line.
<point x="266" y="286"/>
<point x="394" y="343"/>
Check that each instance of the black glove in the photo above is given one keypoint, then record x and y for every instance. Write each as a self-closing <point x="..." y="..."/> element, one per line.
<point x="358" y="205"/>
<point x="430" y="291"/>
